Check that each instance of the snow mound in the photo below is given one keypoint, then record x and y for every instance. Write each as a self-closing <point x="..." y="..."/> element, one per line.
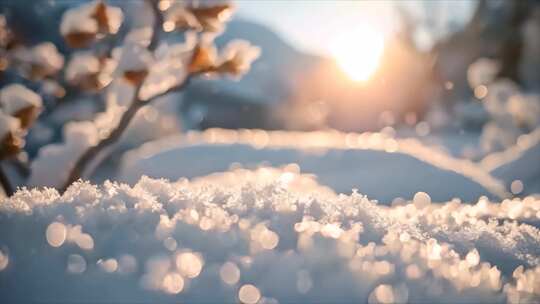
<point x="378" y="165"/>
<point x="269" y="235"/>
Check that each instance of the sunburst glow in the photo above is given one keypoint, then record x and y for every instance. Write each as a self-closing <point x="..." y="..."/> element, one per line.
<point x="358" y="52"/>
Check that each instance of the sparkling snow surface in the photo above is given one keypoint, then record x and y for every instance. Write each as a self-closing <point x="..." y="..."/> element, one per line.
<point x="263" y="236"/>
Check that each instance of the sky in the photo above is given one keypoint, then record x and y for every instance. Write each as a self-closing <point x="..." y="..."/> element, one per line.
<point x="311" y="25"/>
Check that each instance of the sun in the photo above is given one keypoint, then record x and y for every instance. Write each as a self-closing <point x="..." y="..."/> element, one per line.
<point x="358" y="52"/>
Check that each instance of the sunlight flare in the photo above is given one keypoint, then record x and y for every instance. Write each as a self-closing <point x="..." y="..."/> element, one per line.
<point x="358" y="52"/>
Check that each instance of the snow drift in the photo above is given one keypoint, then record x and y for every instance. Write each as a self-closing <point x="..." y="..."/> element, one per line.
<point x="376" y="164"/>
<point x="268" y="235"/>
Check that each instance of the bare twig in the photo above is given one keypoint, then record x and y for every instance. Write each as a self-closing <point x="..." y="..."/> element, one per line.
<point x="6" y="184"/>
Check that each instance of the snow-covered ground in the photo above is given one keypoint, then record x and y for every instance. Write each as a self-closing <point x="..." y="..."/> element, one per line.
<point x="382" y="167"/>
<point x="266" y="235"/>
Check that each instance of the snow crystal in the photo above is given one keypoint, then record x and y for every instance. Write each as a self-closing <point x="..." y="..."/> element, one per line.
<point x="249" y="236"/>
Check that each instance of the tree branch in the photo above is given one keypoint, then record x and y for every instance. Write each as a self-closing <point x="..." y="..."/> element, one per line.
<point x="136" y="104"/>
<point x="6" y="184"/>
<point x="158" y="23"/>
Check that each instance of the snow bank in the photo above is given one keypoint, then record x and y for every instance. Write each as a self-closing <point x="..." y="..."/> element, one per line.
<point x="378" y="165"/>
<point x="518" y="164"/>
<point x="269" y="235"/>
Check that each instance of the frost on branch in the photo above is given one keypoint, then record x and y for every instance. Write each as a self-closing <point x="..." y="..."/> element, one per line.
<point x="40" y="61"/>
<point x="89" y="72"/>
<point x="197" y="55"/>
<point x="264" y="235"/>
<point x="235" y="59"/>
<point x="20" y="102"/>
<point x="169" y="69"/>
<point x="10" y="135"/>
<point x="80" y="26"/>
<point x="208" y="17"/>
<point x="204" y="56"/>
<point x="134" y="62"/>
<point x="237" y="56"/>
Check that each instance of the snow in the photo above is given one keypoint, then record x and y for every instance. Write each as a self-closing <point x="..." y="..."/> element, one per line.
<point x="384" y="167"/>
<point x="16" y="97"/>
<point x="258" y="216"/>
<point x="264" y="235"/>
